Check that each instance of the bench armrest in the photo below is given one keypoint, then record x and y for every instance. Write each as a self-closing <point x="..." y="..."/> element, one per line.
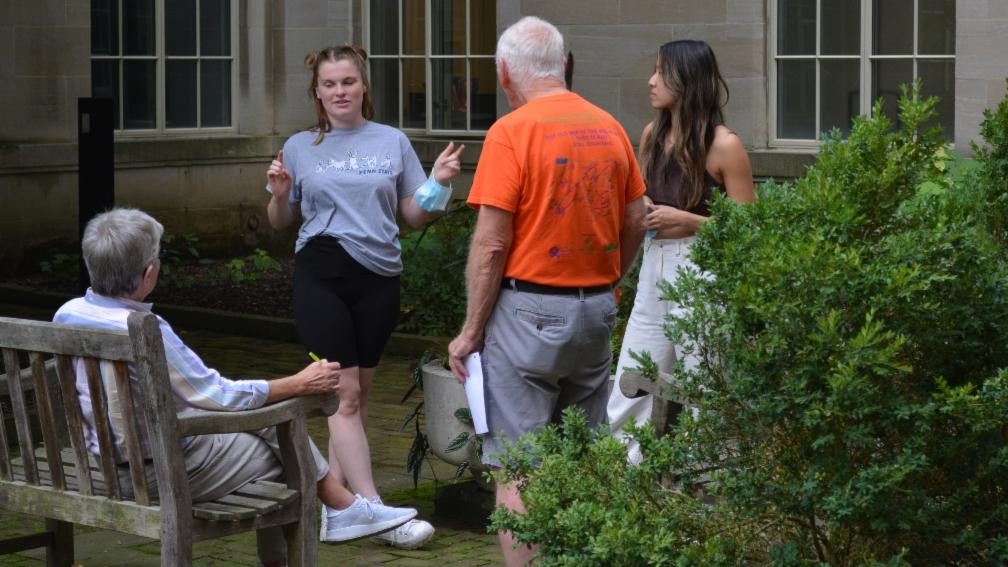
<point x="633" y="384"/>
<point x="201" y="422"/>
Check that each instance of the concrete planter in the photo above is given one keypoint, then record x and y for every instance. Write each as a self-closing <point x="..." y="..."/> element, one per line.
<point x="443" y="395"/>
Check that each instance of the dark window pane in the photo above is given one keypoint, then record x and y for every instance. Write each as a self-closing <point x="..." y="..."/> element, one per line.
<point x="415" y="104"/>
<point x="796" y="27"/>
<point x="180" y="27"/>
<point x="938" y="79"/>
<point x="104" y="27"/>
<point x="414" y="28"/>
<point x="139" y="94"/>
<point x="482" y="94"/>
<point x="893" y="31"/>
<point x="450" y="94"/>
<point x="936" y="35"/>
<point x="385" y="90"/>
<point x="180" y="94"/>
<point x="840" y="23"/>
<point x="796" y="99"/>
<point x="215" y="93"/>
<point x="138" y="27"/>
<point x="105" y="84"/>
<point x="840" y="93"/>
<point x="448" y="27"/>
<point x="887" y="76"/>
<point x="482" y="27"/>
<point x="384" y="27"/>
<point x="215" y="27"/>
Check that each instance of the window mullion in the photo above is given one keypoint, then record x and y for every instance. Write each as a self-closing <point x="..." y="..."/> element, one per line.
<point x="817" y="119"/>
<point x="199" y="65"/>
<point x="867" y="23"/>
<point x="916" y="39"/>
<point x="428" y="67"/>
<point x="160" y="62"/>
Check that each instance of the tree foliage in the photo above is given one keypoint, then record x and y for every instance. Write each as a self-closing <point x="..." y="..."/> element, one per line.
<point x="853" y="398"/>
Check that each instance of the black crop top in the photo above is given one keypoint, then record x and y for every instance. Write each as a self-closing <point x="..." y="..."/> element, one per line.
<point x="666" y="189"/>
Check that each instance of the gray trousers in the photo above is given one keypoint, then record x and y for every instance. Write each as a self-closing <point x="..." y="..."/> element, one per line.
<point x="541" y="354"/>
<point x="219" y="464"/>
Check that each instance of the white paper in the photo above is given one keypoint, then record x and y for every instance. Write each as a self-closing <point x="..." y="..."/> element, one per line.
<point x="474" y="392"/>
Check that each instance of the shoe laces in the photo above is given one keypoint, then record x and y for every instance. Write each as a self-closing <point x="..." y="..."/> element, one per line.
<point x="369" y="508"/>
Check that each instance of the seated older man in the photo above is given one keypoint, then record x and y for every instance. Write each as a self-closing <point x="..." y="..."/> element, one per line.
<point x="121" y="249"/>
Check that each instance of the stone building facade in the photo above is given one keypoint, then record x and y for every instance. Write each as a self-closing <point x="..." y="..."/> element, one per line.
<point x="435" y="82"/>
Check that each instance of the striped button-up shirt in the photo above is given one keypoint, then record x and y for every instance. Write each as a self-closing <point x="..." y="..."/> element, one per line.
<point x="195" y="385"/>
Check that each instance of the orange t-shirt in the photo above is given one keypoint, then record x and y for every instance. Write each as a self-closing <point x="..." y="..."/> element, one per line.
<point x="566" y="170"/>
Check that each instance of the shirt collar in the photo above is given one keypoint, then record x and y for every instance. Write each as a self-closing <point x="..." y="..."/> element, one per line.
<point x="100" y="300"/>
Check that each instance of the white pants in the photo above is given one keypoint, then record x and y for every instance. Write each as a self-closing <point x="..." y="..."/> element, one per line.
<point x="645" y="332"/>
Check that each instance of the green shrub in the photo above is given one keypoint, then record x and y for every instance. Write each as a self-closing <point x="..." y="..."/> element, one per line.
<point x="852" y="394"/>
<point x="250" y="268"/>
<point x="433" y="297"/>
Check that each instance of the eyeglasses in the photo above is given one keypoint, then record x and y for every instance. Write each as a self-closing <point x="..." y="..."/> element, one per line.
<point x="162" y="251"/>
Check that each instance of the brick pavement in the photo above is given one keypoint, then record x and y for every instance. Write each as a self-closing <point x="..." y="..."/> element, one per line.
<point x="456" y="542"/>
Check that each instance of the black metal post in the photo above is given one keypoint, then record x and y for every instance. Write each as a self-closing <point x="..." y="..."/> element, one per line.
<point x="95" y="165"/>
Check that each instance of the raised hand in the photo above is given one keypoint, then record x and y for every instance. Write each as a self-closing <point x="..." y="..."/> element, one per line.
<point x="448" y="164"/>
<point x="279" y="179"/>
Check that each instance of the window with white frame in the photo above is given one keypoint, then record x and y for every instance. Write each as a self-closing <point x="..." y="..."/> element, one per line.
<point x="832" y="59"/>
<point x="168" y="65"/>
<point x="432" y="64"/>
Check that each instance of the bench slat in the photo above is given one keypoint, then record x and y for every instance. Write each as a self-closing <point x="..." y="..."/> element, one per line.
<point x="48" y="471"/>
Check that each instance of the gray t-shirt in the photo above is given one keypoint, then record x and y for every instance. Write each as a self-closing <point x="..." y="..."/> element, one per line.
<point x="349" y="187"/>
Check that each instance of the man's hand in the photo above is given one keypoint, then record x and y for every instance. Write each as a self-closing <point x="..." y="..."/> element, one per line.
<point x="458" y="349"/>
<point x="322" y="377"/>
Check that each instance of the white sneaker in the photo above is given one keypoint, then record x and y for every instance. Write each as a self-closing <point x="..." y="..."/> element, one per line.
<point x="363" y="518"/>
<point x="410" y="535"/>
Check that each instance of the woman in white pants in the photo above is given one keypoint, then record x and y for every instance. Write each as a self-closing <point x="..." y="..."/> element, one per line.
<point x="686" y="153"/>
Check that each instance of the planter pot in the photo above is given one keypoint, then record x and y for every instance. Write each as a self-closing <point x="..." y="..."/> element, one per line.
<point x="443" y="395"/>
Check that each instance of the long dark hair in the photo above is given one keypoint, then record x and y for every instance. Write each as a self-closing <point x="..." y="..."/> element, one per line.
<point x="333" y="54"/>
<point x="690" y="70"/>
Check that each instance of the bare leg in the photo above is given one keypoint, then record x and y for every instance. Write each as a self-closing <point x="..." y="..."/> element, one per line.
<point x="349" y="452"/>
<point x="333" y="494"/>
<point x="508" y="496"/>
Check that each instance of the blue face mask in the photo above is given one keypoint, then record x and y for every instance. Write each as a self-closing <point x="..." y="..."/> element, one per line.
<point x="432" y="196"/>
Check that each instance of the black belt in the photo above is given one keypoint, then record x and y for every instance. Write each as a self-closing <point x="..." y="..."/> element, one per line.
<point x="530" y="287"/>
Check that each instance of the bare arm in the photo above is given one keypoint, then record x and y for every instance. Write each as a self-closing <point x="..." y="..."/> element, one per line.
<point x="320" y="377"/>
<point x="631" y="234"/>
<point x="446" y="166"/>
<point x="729" y="161"/>
<point x="279" y="210"/>
<point x="732" y="162"/>
<point x="488" y="254"/>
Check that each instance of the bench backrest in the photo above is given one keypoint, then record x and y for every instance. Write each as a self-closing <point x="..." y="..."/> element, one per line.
<point x="39" y="370"/>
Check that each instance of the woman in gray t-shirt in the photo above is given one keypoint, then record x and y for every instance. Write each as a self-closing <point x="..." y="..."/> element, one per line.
<point x="350" y="178"/>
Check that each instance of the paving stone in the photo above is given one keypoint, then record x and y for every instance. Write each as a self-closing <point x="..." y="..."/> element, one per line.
<point x="457" y="542"/>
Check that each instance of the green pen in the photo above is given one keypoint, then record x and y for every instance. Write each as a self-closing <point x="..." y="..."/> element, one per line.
<point x="314" y="356"/>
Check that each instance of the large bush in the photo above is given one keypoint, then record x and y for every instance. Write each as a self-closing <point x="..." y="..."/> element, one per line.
<point x="851" y="400"/>
<point x="433" y="279"/>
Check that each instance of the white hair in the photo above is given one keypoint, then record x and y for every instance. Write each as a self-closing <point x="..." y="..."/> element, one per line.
<point x="533" y="49"/>
<point x="117" y="246"/>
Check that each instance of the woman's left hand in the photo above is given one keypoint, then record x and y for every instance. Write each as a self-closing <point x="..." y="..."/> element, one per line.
<point x="448" y="164"/>
<point x="671" y="222"/>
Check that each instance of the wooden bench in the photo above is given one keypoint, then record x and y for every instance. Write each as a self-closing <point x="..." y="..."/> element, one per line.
<point x="669" y="402"/>
<point x="53" y="476"/>
<point x="667" y="397"/>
